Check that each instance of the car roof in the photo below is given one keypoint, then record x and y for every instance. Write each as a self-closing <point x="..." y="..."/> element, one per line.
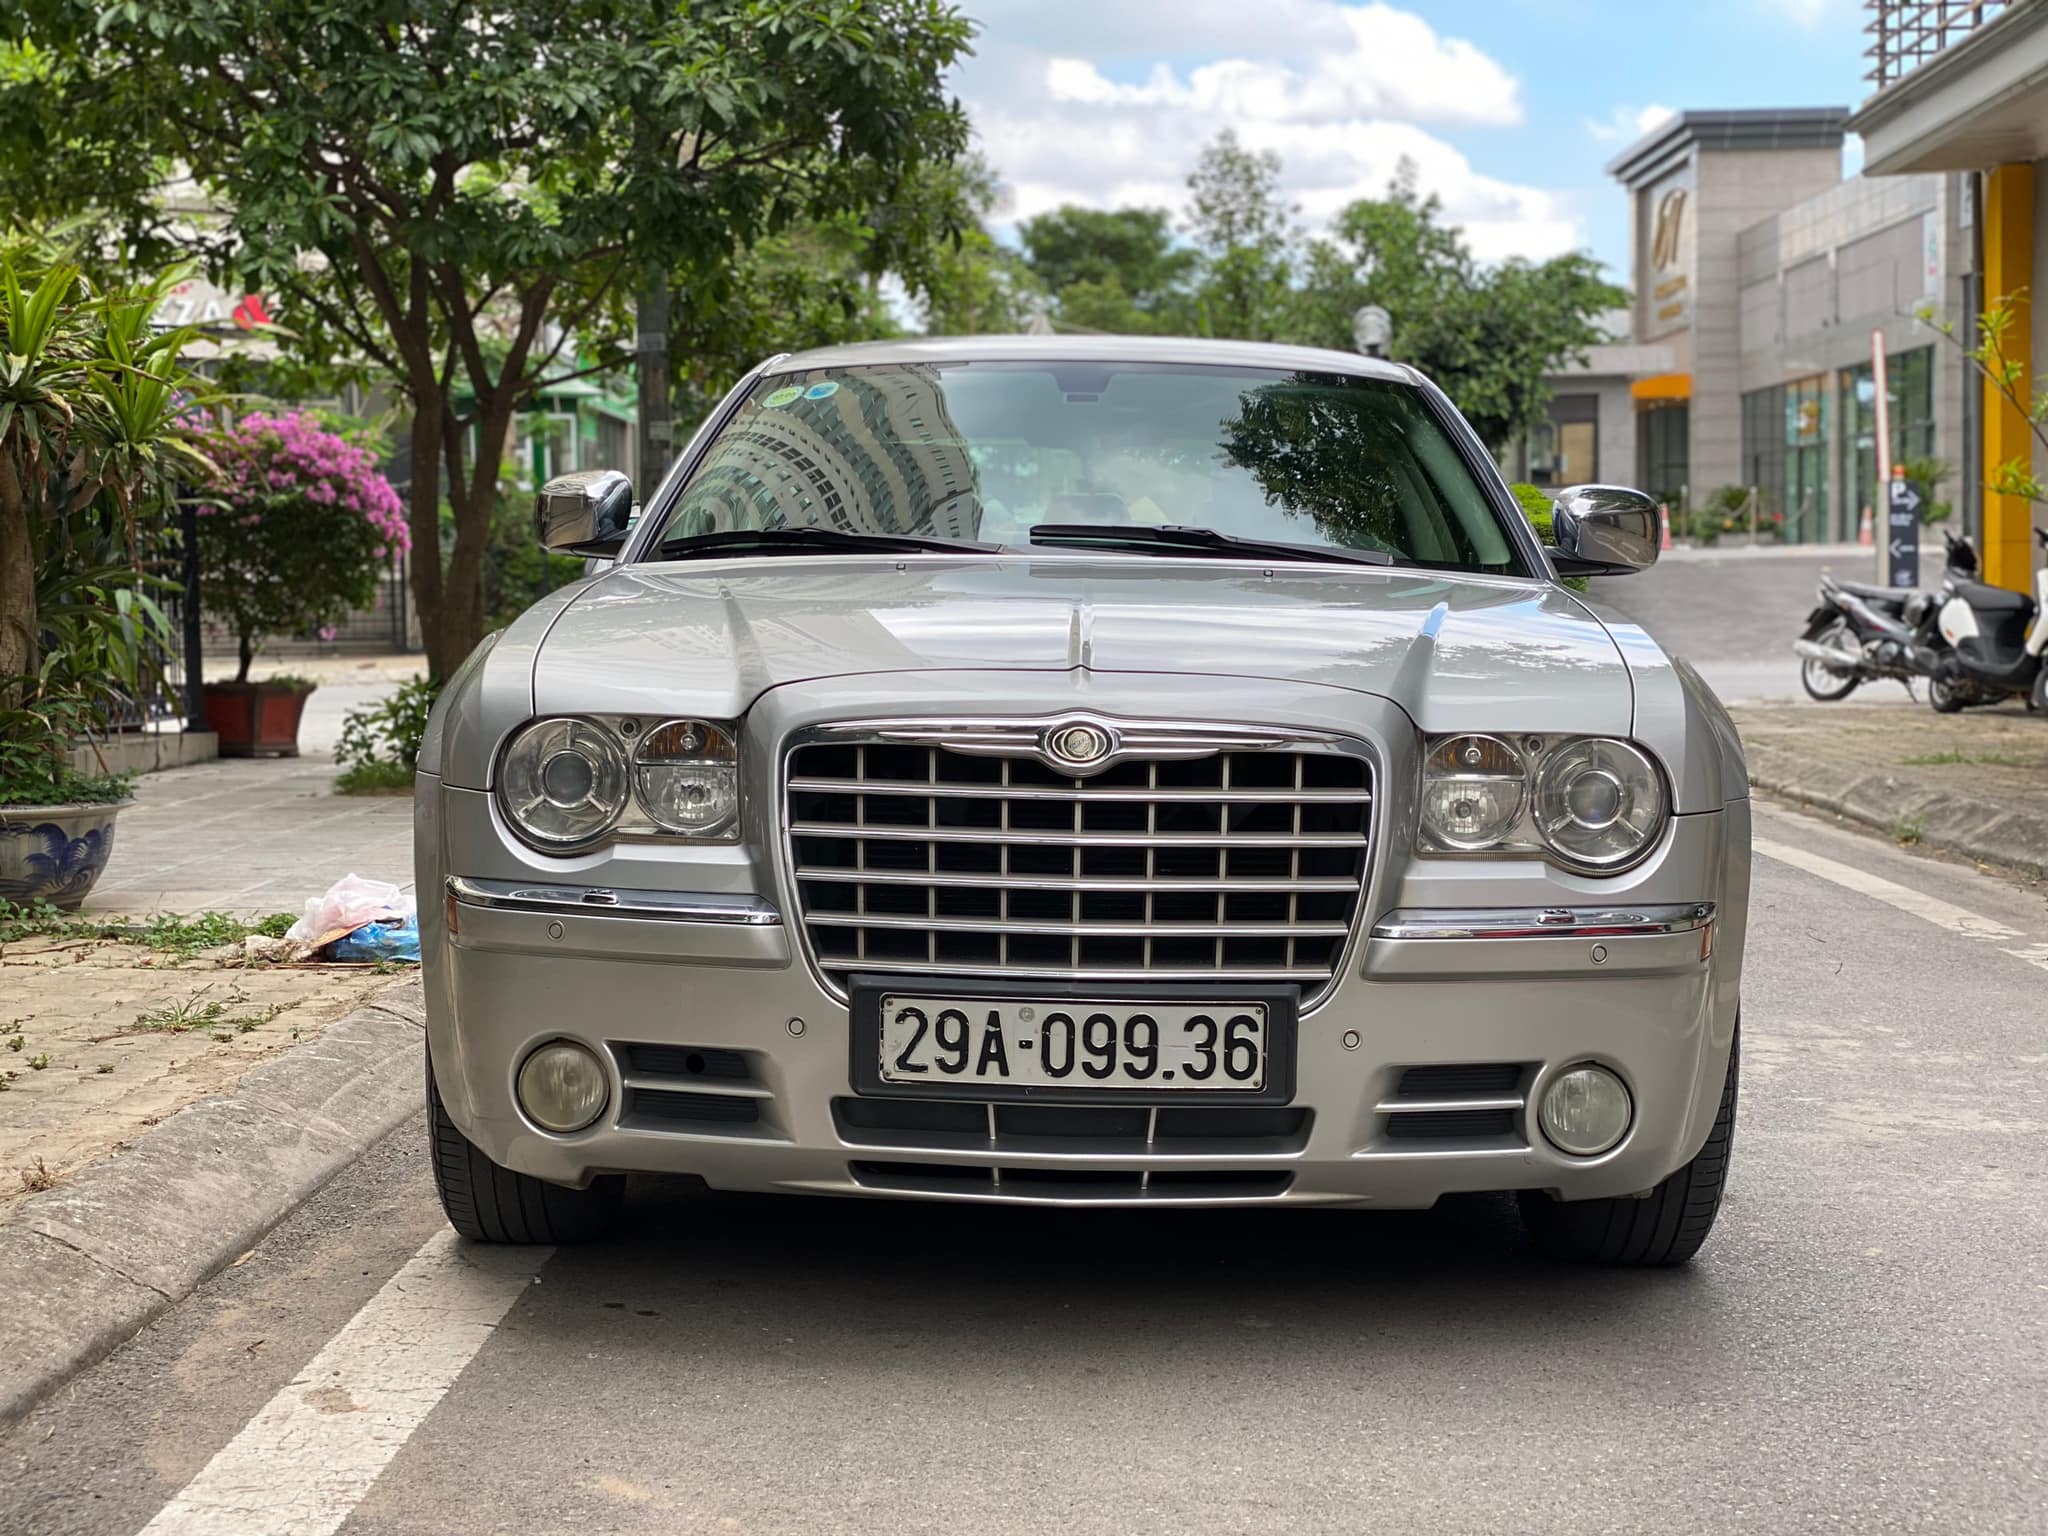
<point x="1091" y="349"/>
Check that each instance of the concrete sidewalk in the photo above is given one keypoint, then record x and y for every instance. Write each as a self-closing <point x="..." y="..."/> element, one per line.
<point x="249" y="836"/>
<point x="1973" y="784"/>
<point x="163" y="1104"/>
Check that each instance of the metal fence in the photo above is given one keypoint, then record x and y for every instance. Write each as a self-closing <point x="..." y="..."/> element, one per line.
<point x="1904" y="34"/>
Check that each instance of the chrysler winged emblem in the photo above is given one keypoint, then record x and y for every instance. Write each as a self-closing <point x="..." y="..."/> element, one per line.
<point x="1077" y="744"/>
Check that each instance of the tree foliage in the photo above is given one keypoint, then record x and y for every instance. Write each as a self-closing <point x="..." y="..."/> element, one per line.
<point x="1117" y="270"/>
<point x="1487" y="336"/>
<point x="1246" y="235"/>
<point x="464" y="196"/>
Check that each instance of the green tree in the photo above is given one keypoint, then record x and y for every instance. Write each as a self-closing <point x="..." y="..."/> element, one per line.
<point x="1488" y="335"/>
<point x="970" y="284"/>
<point x="461" y="196"/>
<point x="810" y="285"/>
<point x="1989" y="357"/>
<point x="1247" y="238"/>
<point x="1109" y="270"/>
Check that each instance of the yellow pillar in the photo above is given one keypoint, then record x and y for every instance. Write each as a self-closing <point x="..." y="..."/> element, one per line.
<point x="2009" y="270"/>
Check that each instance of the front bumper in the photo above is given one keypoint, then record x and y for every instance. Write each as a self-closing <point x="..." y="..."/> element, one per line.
<point x="729" y="1061"/>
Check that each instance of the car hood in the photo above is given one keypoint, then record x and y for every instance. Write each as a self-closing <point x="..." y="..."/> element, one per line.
<point x="1456" y="652"/>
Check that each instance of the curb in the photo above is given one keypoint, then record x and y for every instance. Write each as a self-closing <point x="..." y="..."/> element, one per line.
<point x="1974" y="829"/>
<point x="131" y="1234"/>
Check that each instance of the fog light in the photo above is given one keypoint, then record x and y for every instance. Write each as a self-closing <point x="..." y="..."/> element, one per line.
<point x="1585" y="1111"/>
<point x="562" y="1087"/>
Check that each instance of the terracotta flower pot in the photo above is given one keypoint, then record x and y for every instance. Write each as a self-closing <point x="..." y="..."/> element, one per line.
<point x="54" y="853"/>
<point x="256" y="719"/>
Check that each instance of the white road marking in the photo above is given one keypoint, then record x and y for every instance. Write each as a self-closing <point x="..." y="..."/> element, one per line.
<point x="303" y="1464"/>
<point x="1943" y="914"/>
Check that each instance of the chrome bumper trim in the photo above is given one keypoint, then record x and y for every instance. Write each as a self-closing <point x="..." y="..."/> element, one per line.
<point x="1543" y="922"/>
<point x="603" y="901"/>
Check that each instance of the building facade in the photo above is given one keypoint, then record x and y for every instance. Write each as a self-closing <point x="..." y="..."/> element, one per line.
<point x="1762" y="283"/>
<point x="1962" y="92"/>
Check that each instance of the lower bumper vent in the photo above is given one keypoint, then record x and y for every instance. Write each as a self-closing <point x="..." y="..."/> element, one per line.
<point x="1467" y="1106"/>
<point x="987" y="1182"/>
<point x="694" y="1090"/>
<point x="1080" y="1129"/>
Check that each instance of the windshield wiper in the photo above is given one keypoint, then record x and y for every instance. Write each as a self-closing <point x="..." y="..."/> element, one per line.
<point x="1178" y="538"/>
<point x="810" y="541"/>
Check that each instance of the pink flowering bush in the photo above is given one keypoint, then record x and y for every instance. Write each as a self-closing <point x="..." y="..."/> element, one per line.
<point x="299" y="527"/>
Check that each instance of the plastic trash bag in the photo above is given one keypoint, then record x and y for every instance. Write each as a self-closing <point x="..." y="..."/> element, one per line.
<point x="381" y="941"/>
<point x="349" y="904"/>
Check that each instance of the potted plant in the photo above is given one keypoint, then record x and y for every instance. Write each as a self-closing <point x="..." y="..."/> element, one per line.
<point x="92" y="451"/>
<point x="298" y="527"/>
<point x="56" y="823"/>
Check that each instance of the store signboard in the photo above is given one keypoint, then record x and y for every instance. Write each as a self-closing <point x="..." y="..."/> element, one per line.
<point x="1666" y="240"/>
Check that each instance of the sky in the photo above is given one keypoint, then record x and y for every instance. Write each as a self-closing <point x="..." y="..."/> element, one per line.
<point x="1510" y="109"/>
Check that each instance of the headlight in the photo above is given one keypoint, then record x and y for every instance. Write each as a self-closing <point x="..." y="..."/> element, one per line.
<point x="1472" y="792"/>
<point x="687" y="776"/>
<point x="563" y="782"/>
<point x="570" y="782"/>
<point x="1592" y="804"/>
<point x="1599" y="803"/>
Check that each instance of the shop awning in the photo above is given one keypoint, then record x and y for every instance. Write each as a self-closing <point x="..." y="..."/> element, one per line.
<point x="1662" y="386"/>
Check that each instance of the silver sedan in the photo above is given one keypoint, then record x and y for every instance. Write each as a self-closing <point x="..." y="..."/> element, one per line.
<point x="1111" y="771"/>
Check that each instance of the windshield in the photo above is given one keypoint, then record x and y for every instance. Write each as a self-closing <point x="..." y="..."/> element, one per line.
<point x="986" y="452"/>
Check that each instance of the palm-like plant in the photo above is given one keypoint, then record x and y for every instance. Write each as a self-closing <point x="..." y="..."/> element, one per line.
<point x="92" y="452"/>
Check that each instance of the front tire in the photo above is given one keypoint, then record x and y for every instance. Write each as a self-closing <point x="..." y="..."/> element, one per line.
<point x="488" y="1203"/>
<point x="1945" y="696"/>
<point x="1665" y="1226"/>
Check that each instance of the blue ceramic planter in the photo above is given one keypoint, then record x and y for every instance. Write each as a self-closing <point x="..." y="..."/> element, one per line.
<point x="54" y="853"/>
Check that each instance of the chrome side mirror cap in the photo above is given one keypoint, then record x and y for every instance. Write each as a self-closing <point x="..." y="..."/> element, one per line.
<point x="587" y="512"/>
<point x="1603" y="530"/>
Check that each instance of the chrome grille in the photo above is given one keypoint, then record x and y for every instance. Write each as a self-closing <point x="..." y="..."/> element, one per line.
<point x="913" y="857"/>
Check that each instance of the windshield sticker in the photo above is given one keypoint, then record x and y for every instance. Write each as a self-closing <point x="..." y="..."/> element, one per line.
<point x="824" y="391"/>
<point x="776" y="399"/>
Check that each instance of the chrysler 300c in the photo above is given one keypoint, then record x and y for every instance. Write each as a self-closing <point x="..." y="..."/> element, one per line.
<point x="1106" y="771"/>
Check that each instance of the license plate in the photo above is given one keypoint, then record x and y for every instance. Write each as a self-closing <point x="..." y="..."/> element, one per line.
<point x="990" y="1042"/>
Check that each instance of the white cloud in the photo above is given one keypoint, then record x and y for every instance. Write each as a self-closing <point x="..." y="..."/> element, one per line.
<point x="1077" y="101"/>
<point x="1624" y="125"/>
<point x="1809" y="15"/>
<point x="1388" y="63"/>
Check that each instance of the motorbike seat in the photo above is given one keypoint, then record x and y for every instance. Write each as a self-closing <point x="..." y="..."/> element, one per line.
<point x="1987" y="599"/>
<point x="1869" y="589"/>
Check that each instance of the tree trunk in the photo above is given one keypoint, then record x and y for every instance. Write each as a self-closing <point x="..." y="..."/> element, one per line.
<point x="423" y="516"/>
<point x="18" y="625"/>
<point x="474" y="499"/>
<point x="656" y="411"/>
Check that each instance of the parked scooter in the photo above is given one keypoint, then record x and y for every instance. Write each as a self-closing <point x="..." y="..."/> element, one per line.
<point x="1997" y="638"/>
<point x="1860" y="632"/>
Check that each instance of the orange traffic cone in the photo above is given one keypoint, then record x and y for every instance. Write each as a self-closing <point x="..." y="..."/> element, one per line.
<point x="1664" y="522"/>
<point x="1867" y="533"/>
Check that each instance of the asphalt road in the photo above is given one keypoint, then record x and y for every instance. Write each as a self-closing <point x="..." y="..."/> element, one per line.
<point x="1860" y="1347"/>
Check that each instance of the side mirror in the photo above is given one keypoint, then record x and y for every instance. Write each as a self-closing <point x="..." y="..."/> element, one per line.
<point x="1603" y="530"/>
<point x="585" y="513"/>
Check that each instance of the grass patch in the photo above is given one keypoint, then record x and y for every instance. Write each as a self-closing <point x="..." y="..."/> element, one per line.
<point x="1955" y="756"/>
<point x="183" y="938"/>
<point x="215" y="1016"/>
<point x="1906" y="830"/>
<point x="37" y="1179"/>
<point x="378" y="778"/>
